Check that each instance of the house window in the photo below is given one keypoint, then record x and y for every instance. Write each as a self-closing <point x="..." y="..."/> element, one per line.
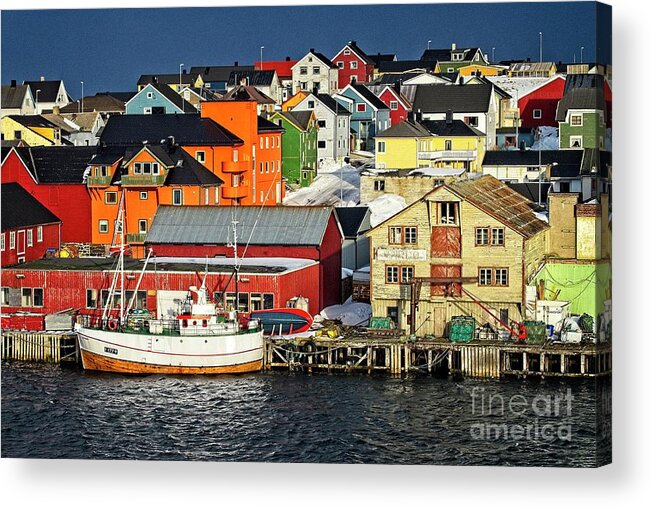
<point x="361" y="108"/>
<point x="38" y="297"/>
<point x="261" y="167"/>
<point x="256" y="301"/>
<point x="411" y="235"/>
<point x="303" y="71"/>
<point x="91" y="298"/>
<point x="103" y="171"/>
<point x="537" y="114"/>
<point x="485" y="276"/>
<point x="39" y="234"/>
<point x="448" y="214"/>
<point x="266" y="167"/>
<point x="393" y="105"/>
<point x="448" y="145"/>
<point x="266" y="143"/>
<point x="303" y="85"/>
<point x="142" y="226"/>
<point x="4" y="296"/>
<point x="576" y="141"/>
<point x="12" y="240"/>
<point x="346" y="51"/>
<point x="481" y="236"/>
<point x="473" y="121"/>
<point x="353" y="65"/>
<point x="146" y="110"/>
<point x="267" y="301"/>
<point x="236" y="156"/>
<point x="322" y="144"/>
<point x="110" y="197"/>
<point x="30" y="237"/>
<point x="381" y="147"/>
<point x="26" y="297"/>
<point x="177" y="197"/>
<point x="316" y="70"/>
<point x="144" y="196"/>
<point x="378" y="185"/>
<point x="495" y="277"/>
<point x="2" y="242"/>
<point x="340" y="65"/>
<point x="322" y="124"/>
<point x="201" y="156"/>
<point x="576" y="120"/>
<point x="103" y="226"/>
<point x="137" y="168"/>
<point x="310" y="104"/>
<point x="146" y="167"/>
<point x="395" y="235"/>
<point x="450" y="70"/>
<point x="497" y="236"/>
<point x="150" y="95"/>
<point x="501" y="277"/>
<point x="406" y="274"/>
<point x="392" y="274"/>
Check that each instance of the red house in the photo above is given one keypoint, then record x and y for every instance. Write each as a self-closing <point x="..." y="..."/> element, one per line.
<point x="353" y="65"/>
<point x="398" y="105"/>
<point x="538" y="106"/>
<point x="54" y="176"/>
<point x="29" y="229"/>
<point x="298" y="233"/>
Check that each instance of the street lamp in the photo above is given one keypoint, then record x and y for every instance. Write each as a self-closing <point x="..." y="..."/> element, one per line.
<point x="82" y="96"/>
<point x="428" y="43"/>
<point x="261" y="48"/>
<point x="541" y="45"/>
<point x="492" y="55"/>
<point x="582" y="48"/>
<point x="180" y="80"/>
<point x="37" y="92"/>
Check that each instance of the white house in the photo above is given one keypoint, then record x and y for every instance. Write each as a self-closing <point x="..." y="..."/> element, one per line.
<point x="315" y="73"/>
<point x="17" y="100"/>
<point x="48" y="94"/>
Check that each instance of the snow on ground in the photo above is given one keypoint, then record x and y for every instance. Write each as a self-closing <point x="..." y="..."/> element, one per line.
<point x="384" y="207"/>
<point x="335" y="185"/>
<point x="547" y="139"/>
<point x="351" y="313"/>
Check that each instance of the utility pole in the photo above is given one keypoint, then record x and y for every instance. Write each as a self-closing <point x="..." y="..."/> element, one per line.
<point x="541" y="46"/>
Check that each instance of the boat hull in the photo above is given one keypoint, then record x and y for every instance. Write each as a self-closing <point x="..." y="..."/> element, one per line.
<point x="177" y="355"/>
<point x="279" y="321"/>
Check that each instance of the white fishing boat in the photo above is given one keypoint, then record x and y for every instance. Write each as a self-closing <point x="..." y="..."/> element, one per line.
<point x="200" y="340"/>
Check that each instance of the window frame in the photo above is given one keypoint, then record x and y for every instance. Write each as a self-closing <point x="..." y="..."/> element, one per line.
<point x="106" y="198"/>
<point x="445" y="205"/>
<point x="395" y="273"/>
<point x="381" y="147"/>
<point x="145" y="194"/>
<point x="576" y="115"/>
<point x="102" y="222"/>
<point x="492" y="274"/>
<point x="175" y="192"/>
<point x="537" y="116"/>
<point x="30" y="237"/>
<point x="360" y="107"/>
<point x="2" y="242"/>
<point x="379" y="185"/>
<point x="39" y="234"/>
<point x="12" y="240"/>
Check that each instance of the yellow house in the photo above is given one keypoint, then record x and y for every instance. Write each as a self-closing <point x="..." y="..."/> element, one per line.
<point x="483" y="70"/>
<point x="431" y="143"/>
<point x="34" y="130"/>
<point x="294" y="100"/>
<point x="473" y="243"/>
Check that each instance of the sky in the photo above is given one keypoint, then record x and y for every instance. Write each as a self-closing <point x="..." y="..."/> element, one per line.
<point x="109" y="49"/>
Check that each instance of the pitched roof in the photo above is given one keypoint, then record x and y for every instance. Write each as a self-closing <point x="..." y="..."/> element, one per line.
<point x="49" y="89"/>
<point x="369" y="96"/>
<point x="501" y="202"/>
<point x="172" y="96"/>
<point x="211" y="225"/>
<point x="532" y="191"/>
<point x="595" y="159"/>
<point x="282" y="67"/>
<point x="265" y="125"/>
<point x="351" y="219"/>
<point x="439" y="98"/>
<point x="57" y="164"/>
<point x="59" y="121"/>
<point x="13" y="96"/>
<point x="323" y="58"/>
<point x="531" y="66"/>
<point x="404" y="65"/>
<point x="454" y="128"/>
<point x="85" y="121"/>
<point x="405" y="129"/>
<point x="252" y="77"/>
<point x="168" y="79"/>
<point x="100" y="102"/>
<point x="580" y="98"/>
<point x="530" y="158"/>
<point x="358" y="51"/>
<point x="300" y="119"/>
<point x="573" y="81"/>
<point x="21" y="209"/>
<point x="332" y="104"/>
<point x="388" y="57"/>
<point x="242" y="92"/>
<point x="445" y="55"/>
<point x="214" y="73"/>
<point x="187" y="129"/>
<point x="33" y="120"/>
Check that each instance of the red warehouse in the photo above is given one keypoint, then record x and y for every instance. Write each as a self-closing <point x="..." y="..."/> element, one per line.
<point x="29" y="229"/>
<point x="538" y="106"/>
<point x="353" y="65"/>
<point x="291" y="232"/>
<point x="54" y="285"/>
<point x="54" y="175"/>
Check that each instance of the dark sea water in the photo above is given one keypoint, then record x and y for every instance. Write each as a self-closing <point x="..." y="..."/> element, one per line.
<point x="50" y="412"/>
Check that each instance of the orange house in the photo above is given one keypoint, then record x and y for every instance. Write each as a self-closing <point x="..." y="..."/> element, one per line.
<point x="253" y="177"/>
<point x="144" y="177"/>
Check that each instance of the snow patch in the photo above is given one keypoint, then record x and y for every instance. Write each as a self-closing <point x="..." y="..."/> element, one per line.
<point x="335" y="185"/>
<point x="547" y="139"/>
<point x="384" y="207"/>
<point x="351" y="313"/>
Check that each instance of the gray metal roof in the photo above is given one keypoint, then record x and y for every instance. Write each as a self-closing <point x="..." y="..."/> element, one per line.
<point x="209" y="225"/>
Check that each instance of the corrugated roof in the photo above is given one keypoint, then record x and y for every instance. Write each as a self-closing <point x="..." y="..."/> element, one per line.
<point x="209" y="225"/>
<point x="580" y="98"/>
<point x="405" y="129"/>
<point x="439" y="98"/>
<point x="21" y="209"/>
<point x="300" y="119"/>
<point x="501" y="202"/>
<point x="251" y="77"/>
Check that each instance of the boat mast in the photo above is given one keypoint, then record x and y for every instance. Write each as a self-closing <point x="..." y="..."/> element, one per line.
<point x="237" y="269"/>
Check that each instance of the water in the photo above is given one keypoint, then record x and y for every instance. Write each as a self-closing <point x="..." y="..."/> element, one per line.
<point x="50" y="412"/>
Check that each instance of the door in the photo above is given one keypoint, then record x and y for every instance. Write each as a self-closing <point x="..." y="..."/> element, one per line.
<point x="20" y="245"/>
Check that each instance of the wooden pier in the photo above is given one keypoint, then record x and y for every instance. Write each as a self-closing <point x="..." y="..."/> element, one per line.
<point x="480" y="359"/>
<point x="41" y="346"/>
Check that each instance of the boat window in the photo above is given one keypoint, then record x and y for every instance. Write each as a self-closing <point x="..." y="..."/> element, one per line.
<point x="268" y="301"/>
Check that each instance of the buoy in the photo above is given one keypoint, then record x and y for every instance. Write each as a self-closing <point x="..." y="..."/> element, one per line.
<point x="112" y="324"/>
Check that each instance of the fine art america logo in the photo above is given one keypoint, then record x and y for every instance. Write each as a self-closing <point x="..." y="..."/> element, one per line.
<point x="542" y="417"/>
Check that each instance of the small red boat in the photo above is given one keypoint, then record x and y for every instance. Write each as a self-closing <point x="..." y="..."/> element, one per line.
<point x="283" y="321"/>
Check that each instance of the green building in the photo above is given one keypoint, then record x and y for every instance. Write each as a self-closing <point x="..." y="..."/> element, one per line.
<point x="581" y="121"/>
<point x="299" y="147"/>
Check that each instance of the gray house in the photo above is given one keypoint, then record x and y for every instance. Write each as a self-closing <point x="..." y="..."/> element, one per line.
<point x="355" y="250"/>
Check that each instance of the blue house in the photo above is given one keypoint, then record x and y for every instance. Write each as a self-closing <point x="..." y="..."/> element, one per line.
<point x="369" y="115"/>
<point x="158" y="99"/>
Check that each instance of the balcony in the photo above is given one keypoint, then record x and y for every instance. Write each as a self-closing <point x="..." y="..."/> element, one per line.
<point x="235" y="167"/>
<point x="235" y="192"/>
<point x="99" y="181"/>
<point x="448" y="155"/>
<point x="143" y="180"/>
<point x="135" y="238"/>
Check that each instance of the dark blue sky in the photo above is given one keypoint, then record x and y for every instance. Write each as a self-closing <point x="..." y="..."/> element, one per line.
<point x="109" y="48"/>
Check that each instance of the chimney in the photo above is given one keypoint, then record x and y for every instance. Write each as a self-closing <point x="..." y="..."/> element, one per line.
<point x="42" y="78"/>
<point x="311" y="50"/>
<point x="454" y="46"/>
<point x="418" y="116"/>
<point x="236" y="64"/>
<point x="13" y="83"/>
<point x="353" y="42"/>
<point x="448" y="117"/>
<point x="287" y="59"/>
<point x="353" y="80"/>
<point x="185" y="71"/>
<point x="154" y="79"/>
<point x="56" y="110"/>
<point x="397" y="86"/>
<point x="528" y="59"/>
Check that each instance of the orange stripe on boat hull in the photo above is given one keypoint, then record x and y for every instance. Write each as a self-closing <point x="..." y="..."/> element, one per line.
<point x="92" y="361"/>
